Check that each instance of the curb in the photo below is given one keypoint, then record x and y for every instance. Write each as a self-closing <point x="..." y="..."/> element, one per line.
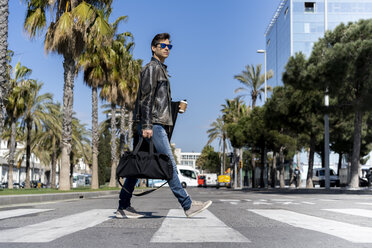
<point x="35" y="198"/>
<point x="310" y="191"/>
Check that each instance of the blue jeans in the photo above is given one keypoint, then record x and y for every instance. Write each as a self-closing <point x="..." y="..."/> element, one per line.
<point x="161" y="143"/>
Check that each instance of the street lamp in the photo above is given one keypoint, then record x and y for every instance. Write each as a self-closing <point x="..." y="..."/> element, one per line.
<point x="265" y="166"/>
<point x="264" y="51"/>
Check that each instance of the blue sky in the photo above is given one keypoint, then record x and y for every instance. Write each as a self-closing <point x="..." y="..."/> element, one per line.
<point x="213" y="41"/>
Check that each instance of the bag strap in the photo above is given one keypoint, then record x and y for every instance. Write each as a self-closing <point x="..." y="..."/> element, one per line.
<point x="145" y="192"/>
<point x="138" y="146"/>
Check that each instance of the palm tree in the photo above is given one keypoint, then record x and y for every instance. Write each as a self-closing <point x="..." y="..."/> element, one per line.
<point x="15" y="107"/>
<point x="47" y="143"/>
<point x="232" y="111"/>
<point x="116" y="87"/>
<point x="95" y="63"/>
<point x="66" y="35"/>
<point x="253" y="82"/>
<point x="4" y="12"/>
<point x="35" y="107"/>
<point x="218" y="131"/>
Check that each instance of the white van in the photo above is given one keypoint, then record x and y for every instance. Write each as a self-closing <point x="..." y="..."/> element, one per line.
<point x="210" y="179"/>
<point x="188" y="176"/>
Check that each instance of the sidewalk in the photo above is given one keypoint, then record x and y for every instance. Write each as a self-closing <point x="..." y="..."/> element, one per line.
<point x="35" y="198"/>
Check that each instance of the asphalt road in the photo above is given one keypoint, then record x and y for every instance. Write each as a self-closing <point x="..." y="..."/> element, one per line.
<point x="235" y="219"/>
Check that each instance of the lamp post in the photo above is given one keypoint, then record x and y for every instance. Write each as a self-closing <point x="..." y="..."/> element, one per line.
<point x="264" y="52"/>
<point x="265" y="166"/>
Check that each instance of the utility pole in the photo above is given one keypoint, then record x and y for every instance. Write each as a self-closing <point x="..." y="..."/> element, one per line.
<point x="326" y="118"/>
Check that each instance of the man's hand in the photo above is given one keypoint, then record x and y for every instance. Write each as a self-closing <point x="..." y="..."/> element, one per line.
<point x="147" y="133"/>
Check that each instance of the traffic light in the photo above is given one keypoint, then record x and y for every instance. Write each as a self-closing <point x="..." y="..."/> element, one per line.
<point x="240" y="164"/>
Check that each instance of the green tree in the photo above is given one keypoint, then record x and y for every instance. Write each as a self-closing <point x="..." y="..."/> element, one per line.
<point x="15" y="108"/>
<point x="218" y="131"/>
<point x="74" y="22"/>
<point x="104" y="158"/>
<point x="209" y="160"/>
<point x="35" y="105"/>
<point x="96" y="64"/>
<point x="343" y="60"/>
<point x="253" y="82"/>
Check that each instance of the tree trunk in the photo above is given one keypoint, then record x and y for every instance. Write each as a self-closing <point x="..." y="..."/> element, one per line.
<point x="28" y="154"/>
<point x="281" y="176"/>
<point x="355" y="167"/>
<point x="262" y="171"/>
<point x="130" y="130"/>
<point x="253" y="169"/>
<point x="300" y="169"/>
<point x="54" y="162"/>
<point x="95" y="139"/>
<point x="4" y="12"/>
<point x="309" y="179"/>
<point x="273" y="172"/>
<point x="68" y="97"/>
<point x="122" y="129"/>
<point x="339" y="163"/>
<point x="12" y="153"/>
<point x="113" y="147"/>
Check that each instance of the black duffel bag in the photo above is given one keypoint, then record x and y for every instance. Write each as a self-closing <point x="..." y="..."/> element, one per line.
<point x="144" y="164"/>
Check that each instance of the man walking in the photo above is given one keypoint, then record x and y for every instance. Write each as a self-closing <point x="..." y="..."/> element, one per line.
<point x="153" y="115"/>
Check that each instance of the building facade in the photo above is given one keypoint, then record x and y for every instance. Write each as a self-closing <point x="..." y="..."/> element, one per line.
<point x="298" y="24"/>
<point x="186" y="158"/>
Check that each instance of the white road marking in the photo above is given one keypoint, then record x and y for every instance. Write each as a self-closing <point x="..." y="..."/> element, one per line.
<point x="310" y="203"/>
<point x="19" y="212"/>
<point x="353" y="211"/>
<point x="289" y="203"/>
<point x="233" y="203"/>
<point x="248" y="200"/>
<point x="365" y="203"/>
<point x="204" y="227"/>
<point x="263" y="200"/>
<point x="282" y="200"/>
<point x="350" y="232"/>
<point x="262" y="203"/>
<point x="52" y="229"/>
<point x="229" y="200"/>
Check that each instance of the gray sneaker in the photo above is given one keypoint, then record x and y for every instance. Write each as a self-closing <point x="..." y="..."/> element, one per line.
<point x="197" y="207"/>
<point x="128" y="213"/>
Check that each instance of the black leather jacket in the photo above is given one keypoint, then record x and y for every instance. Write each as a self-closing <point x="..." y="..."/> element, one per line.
<point x="153" y="103"/>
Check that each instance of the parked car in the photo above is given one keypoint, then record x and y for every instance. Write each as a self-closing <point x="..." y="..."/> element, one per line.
<point x="188" y="177"/>
<point x="201" y="180"/>
<point x="224" y="181"/>
<point x="319" y="177"/>
<point x="210" y="180"/>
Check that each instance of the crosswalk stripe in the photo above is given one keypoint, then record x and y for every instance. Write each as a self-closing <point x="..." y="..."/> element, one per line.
<point x="229" y="200"/>
<point x="353" y="211"/>
<point x="365" y="203"/>
<point x="261" y="203"/>
<point x="350" y="232"/>
<point x="204" y="227"/>
<point x="310" y="203"/>
<point x="20" y="212"/>
<point x="52" y="229"/>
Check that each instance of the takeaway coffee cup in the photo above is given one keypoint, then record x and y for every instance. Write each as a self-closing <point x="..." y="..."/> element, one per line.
<point x="182" y="106"/>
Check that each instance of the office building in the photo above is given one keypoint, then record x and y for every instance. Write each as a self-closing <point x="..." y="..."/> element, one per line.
<point x="298" y="24"/>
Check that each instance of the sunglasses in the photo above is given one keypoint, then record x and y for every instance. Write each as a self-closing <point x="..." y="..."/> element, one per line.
<point x="163" y="45"/>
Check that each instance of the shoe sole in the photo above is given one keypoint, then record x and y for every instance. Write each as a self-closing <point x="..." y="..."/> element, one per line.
<point x="200" y="210"/>
<point x="129" y="217"/>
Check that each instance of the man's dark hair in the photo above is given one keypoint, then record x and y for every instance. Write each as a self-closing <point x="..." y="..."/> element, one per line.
<point x="159" y="37"/>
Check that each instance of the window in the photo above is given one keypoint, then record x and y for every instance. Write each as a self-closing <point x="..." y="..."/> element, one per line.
<point x="188" y="173"/>
<point x="309" y="7"/>
<point x="306" y="27"/>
